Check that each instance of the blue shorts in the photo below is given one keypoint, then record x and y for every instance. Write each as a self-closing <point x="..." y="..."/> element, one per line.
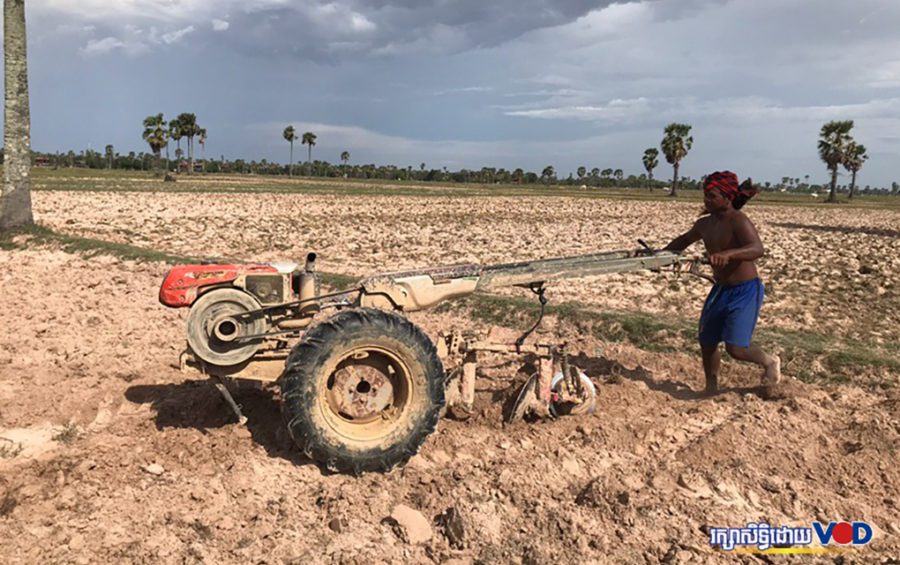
<point x="730" y="313"/>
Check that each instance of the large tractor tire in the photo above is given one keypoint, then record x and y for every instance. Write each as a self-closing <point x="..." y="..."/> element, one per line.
<point x="362" y="391"/>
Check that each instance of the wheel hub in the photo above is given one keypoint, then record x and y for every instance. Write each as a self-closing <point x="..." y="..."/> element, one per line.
<point x="225" y="328"/>
<point x="361" y="392"/>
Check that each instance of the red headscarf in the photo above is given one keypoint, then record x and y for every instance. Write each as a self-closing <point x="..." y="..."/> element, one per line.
<point x="727" y="183"/>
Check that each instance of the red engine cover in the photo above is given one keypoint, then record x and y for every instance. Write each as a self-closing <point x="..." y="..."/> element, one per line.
<point x="183" y="283"/>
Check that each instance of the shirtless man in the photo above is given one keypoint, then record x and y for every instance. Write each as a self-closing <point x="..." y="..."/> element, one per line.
<point x="733" y="304"/>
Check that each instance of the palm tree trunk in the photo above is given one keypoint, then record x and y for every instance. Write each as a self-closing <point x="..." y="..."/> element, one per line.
<point x="309" y="161"/>
<point x="15" y="194"/>
<point x="832" y="196"/>
<point x="674" y="191"/>
<point x="650" y="181"/>
<point x="291" y="166"/>
<point x="852" y="184"/>
<point x="191" y="155"/>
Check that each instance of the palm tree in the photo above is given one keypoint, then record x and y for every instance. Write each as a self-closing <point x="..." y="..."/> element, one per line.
<point x="110" y="153"/>
<point x="619" y="174"/>
<point x="833" y="140"/>
<point x="156" y="135"/>
<point x="201" y="139"/>
<point x="189" y="128"/>
<point x="309" y="138"/>
<point x="651" y="160"/>
<point x="853" y="161"/>
<point x="15" y="195"/>
<point x="548" y="173"/>
<point x="345" y="160"/>
<point x="581" y="172"/>
<point x="290" y="135"/>
<point x="176" y="133"/>
<point x="675" y="145"/>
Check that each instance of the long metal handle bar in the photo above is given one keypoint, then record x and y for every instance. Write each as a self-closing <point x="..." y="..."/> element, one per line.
<point x="544" y="270"/>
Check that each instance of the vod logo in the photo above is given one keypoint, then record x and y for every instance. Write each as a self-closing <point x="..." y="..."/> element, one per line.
<point x="843" y="533"/>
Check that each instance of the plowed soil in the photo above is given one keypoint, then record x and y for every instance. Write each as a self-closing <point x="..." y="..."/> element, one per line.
<point x="111" y="454"/>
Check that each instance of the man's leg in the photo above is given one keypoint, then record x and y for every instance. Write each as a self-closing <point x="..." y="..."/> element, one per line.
<point x="739" y="330"/>
<point x="711" y="361"/>
<point x="753" y="354"/>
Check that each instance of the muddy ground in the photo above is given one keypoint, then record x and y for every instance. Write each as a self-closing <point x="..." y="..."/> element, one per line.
<point x="109" y="453"/>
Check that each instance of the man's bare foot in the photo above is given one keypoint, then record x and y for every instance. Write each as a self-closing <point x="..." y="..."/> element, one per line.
<point x="772" y="375"/>
<point x="712" y="386"/>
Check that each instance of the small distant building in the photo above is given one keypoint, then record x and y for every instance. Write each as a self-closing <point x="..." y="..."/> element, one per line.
<point x="185" y="165"/>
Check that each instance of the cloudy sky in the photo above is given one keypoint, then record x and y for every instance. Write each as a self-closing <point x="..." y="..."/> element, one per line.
<point x="472" y="83"/>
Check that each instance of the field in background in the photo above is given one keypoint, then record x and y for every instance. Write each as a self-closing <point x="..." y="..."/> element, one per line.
<point x="98" y="180"/>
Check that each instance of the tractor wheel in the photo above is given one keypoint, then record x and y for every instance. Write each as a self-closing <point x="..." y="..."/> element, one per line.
<point x="362" y="391"/>
<point x="216" y="321"/>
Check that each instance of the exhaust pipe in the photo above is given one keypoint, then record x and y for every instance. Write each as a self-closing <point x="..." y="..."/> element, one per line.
<point x="309" y="285"/>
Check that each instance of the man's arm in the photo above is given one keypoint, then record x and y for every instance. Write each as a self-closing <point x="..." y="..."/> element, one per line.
<point x="685" y="240"/>
<point x="751" y="247"/>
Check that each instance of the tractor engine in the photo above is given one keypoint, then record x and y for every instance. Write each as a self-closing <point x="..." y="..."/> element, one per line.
<point x="234" y="306"/>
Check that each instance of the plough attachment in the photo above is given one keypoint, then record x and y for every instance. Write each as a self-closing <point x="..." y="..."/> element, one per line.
<point x="556" y="388"/>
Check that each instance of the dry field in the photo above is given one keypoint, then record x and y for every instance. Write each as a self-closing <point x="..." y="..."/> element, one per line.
<point x="826" y="269"/>
<point x="108" y="453"/>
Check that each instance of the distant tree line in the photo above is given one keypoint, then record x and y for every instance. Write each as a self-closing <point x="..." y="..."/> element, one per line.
<point x="836" y="147"/>
<point x="588" y="178"/>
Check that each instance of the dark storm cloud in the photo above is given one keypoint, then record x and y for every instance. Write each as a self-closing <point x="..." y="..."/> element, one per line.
<point x="334" y="30"/>
<point x="328" y="29"/>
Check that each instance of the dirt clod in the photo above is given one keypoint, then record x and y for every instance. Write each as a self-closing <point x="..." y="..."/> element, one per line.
<point x="410" y="525"/>
<point x="153" y="469"/>
<point x="337" y="525"/>
<point x="454" y="527"/>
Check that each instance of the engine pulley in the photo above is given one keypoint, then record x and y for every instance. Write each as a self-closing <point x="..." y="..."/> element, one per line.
<point x="216" y="322"/>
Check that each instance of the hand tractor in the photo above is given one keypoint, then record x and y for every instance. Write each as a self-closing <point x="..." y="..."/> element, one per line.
<point x="362" y="387"/>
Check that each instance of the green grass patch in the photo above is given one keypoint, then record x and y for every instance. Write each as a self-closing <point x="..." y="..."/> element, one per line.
<point x="338" y="281"/>
<point x="68" y="434"/>
<point x="643" y="330"/>
<point x="860" y="356"/>
<point x="37" y="235"/>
